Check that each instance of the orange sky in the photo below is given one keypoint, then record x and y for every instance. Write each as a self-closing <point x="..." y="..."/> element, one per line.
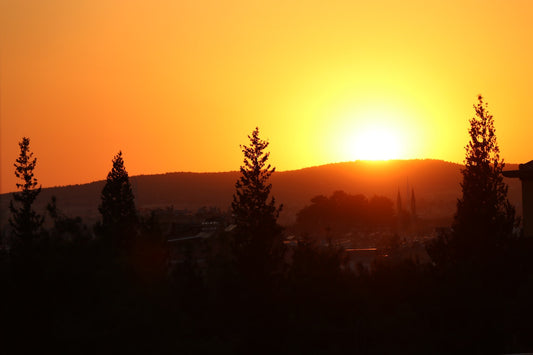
<point x="177" y="85"/>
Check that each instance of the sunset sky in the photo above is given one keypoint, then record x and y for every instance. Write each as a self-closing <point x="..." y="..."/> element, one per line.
<point x="178" y="85"/>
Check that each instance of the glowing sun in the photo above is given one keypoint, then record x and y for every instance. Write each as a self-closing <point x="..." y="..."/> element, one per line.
<point x="376" y="143"/>
<point x="374" y="131"/>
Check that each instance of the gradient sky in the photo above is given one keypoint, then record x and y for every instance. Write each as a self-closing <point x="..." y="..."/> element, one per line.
<point x="178" y="85"/>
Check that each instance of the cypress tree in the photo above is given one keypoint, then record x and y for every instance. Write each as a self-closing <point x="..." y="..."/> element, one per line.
<point x="484" y="217"/>
<point x="251" y="208"/>
<point x="119" y="216"/>
<point x="25" y="221"/>
<point x="258" y="236"/>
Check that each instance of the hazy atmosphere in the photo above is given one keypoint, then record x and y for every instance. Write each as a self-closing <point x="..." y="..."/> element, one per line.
<point x="266" y="177"/>
<point x="177" y="84"/>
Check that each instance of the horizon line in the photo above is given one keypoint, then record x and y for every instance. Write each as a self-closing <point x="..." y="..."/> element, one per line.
<point x="377" y="161"/>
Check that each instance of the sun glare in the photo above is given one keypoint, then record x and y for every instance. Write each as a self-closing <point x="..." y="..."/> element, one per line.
<point x="373" y="132"/>
<point x="376" y="143"/>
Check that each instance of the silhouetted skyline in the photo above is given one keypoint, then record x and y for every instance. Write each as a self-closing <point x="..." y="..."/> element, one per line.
<point x="176" y="84"/>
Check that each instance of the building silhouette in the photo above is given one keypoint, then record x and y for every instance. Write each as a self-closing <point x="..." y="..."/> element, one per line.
<point x="525" y="174"/>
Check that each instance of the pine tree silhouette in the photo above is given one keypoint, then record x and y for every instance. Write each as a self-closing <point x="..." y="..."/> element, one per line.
<point x="251" y="208"/>
<point x="119" y="216"/>
<point x="484" y="216"/>
<point x="25" y="221"/>
<point x="258" y="240"/>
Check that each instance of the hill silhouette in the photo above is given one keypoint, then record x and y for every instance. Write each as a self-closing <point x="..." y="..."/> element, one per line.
<point x="436" y="184"/>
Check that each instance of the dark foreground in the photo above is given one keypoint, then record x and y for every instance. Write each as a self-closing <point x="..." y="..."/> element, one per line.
<point x="75" y="297"/>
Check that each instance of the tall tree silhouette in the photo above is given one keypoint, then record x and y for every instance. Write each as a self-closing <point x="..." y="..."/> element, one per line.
<point x="25" y="221"/>
<point x="258" y="242"/>
<point x="484" y="216"/>
<point x="119" y="216"/>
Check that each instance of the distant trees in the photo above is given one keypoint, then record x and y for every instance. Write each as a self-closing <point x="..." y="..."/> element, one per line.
<point x="64" y="226"/>
<point x="25" y="221"/>
<point x="119" y="216"/>
<point x="342" y="212"/>
<point x="258" y="236"/>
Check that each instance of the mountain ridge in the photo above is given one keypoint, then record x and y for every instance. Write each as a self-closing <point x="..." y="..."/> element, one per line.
<point x="436" y="184"/>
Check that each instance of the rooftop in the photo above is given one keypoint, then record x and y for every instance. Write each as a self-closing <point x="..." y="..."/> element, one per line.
<point x="525" y="171"/>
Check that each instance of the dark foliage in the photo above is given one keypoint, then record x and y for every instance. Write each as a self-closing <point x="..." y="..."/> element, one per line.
<point x="67" y="293"/>
<point x="65" y="227"/>
<point x="119" y="216"/>
<point x="342" y="212"/>
<point x="251" y="207"/>
<point x="25" y="221"/>
<point x="485" y="218"/>
<point x="316" y="271"/>
<point x="258" y="244"/>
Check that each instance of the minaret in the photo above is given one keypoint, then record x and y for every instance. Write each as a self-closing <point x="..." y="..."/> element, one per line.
<point x="399" y="203"/>
<point x="413" y="204"/>
<point x="406" y="192"/>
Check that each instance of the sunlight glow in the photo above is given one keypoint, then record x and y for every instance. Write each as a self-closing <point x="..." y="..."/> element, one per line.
<point x="177" y="85"/>
<point x="376" y="143"/>
<point x="375" y="131"/>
